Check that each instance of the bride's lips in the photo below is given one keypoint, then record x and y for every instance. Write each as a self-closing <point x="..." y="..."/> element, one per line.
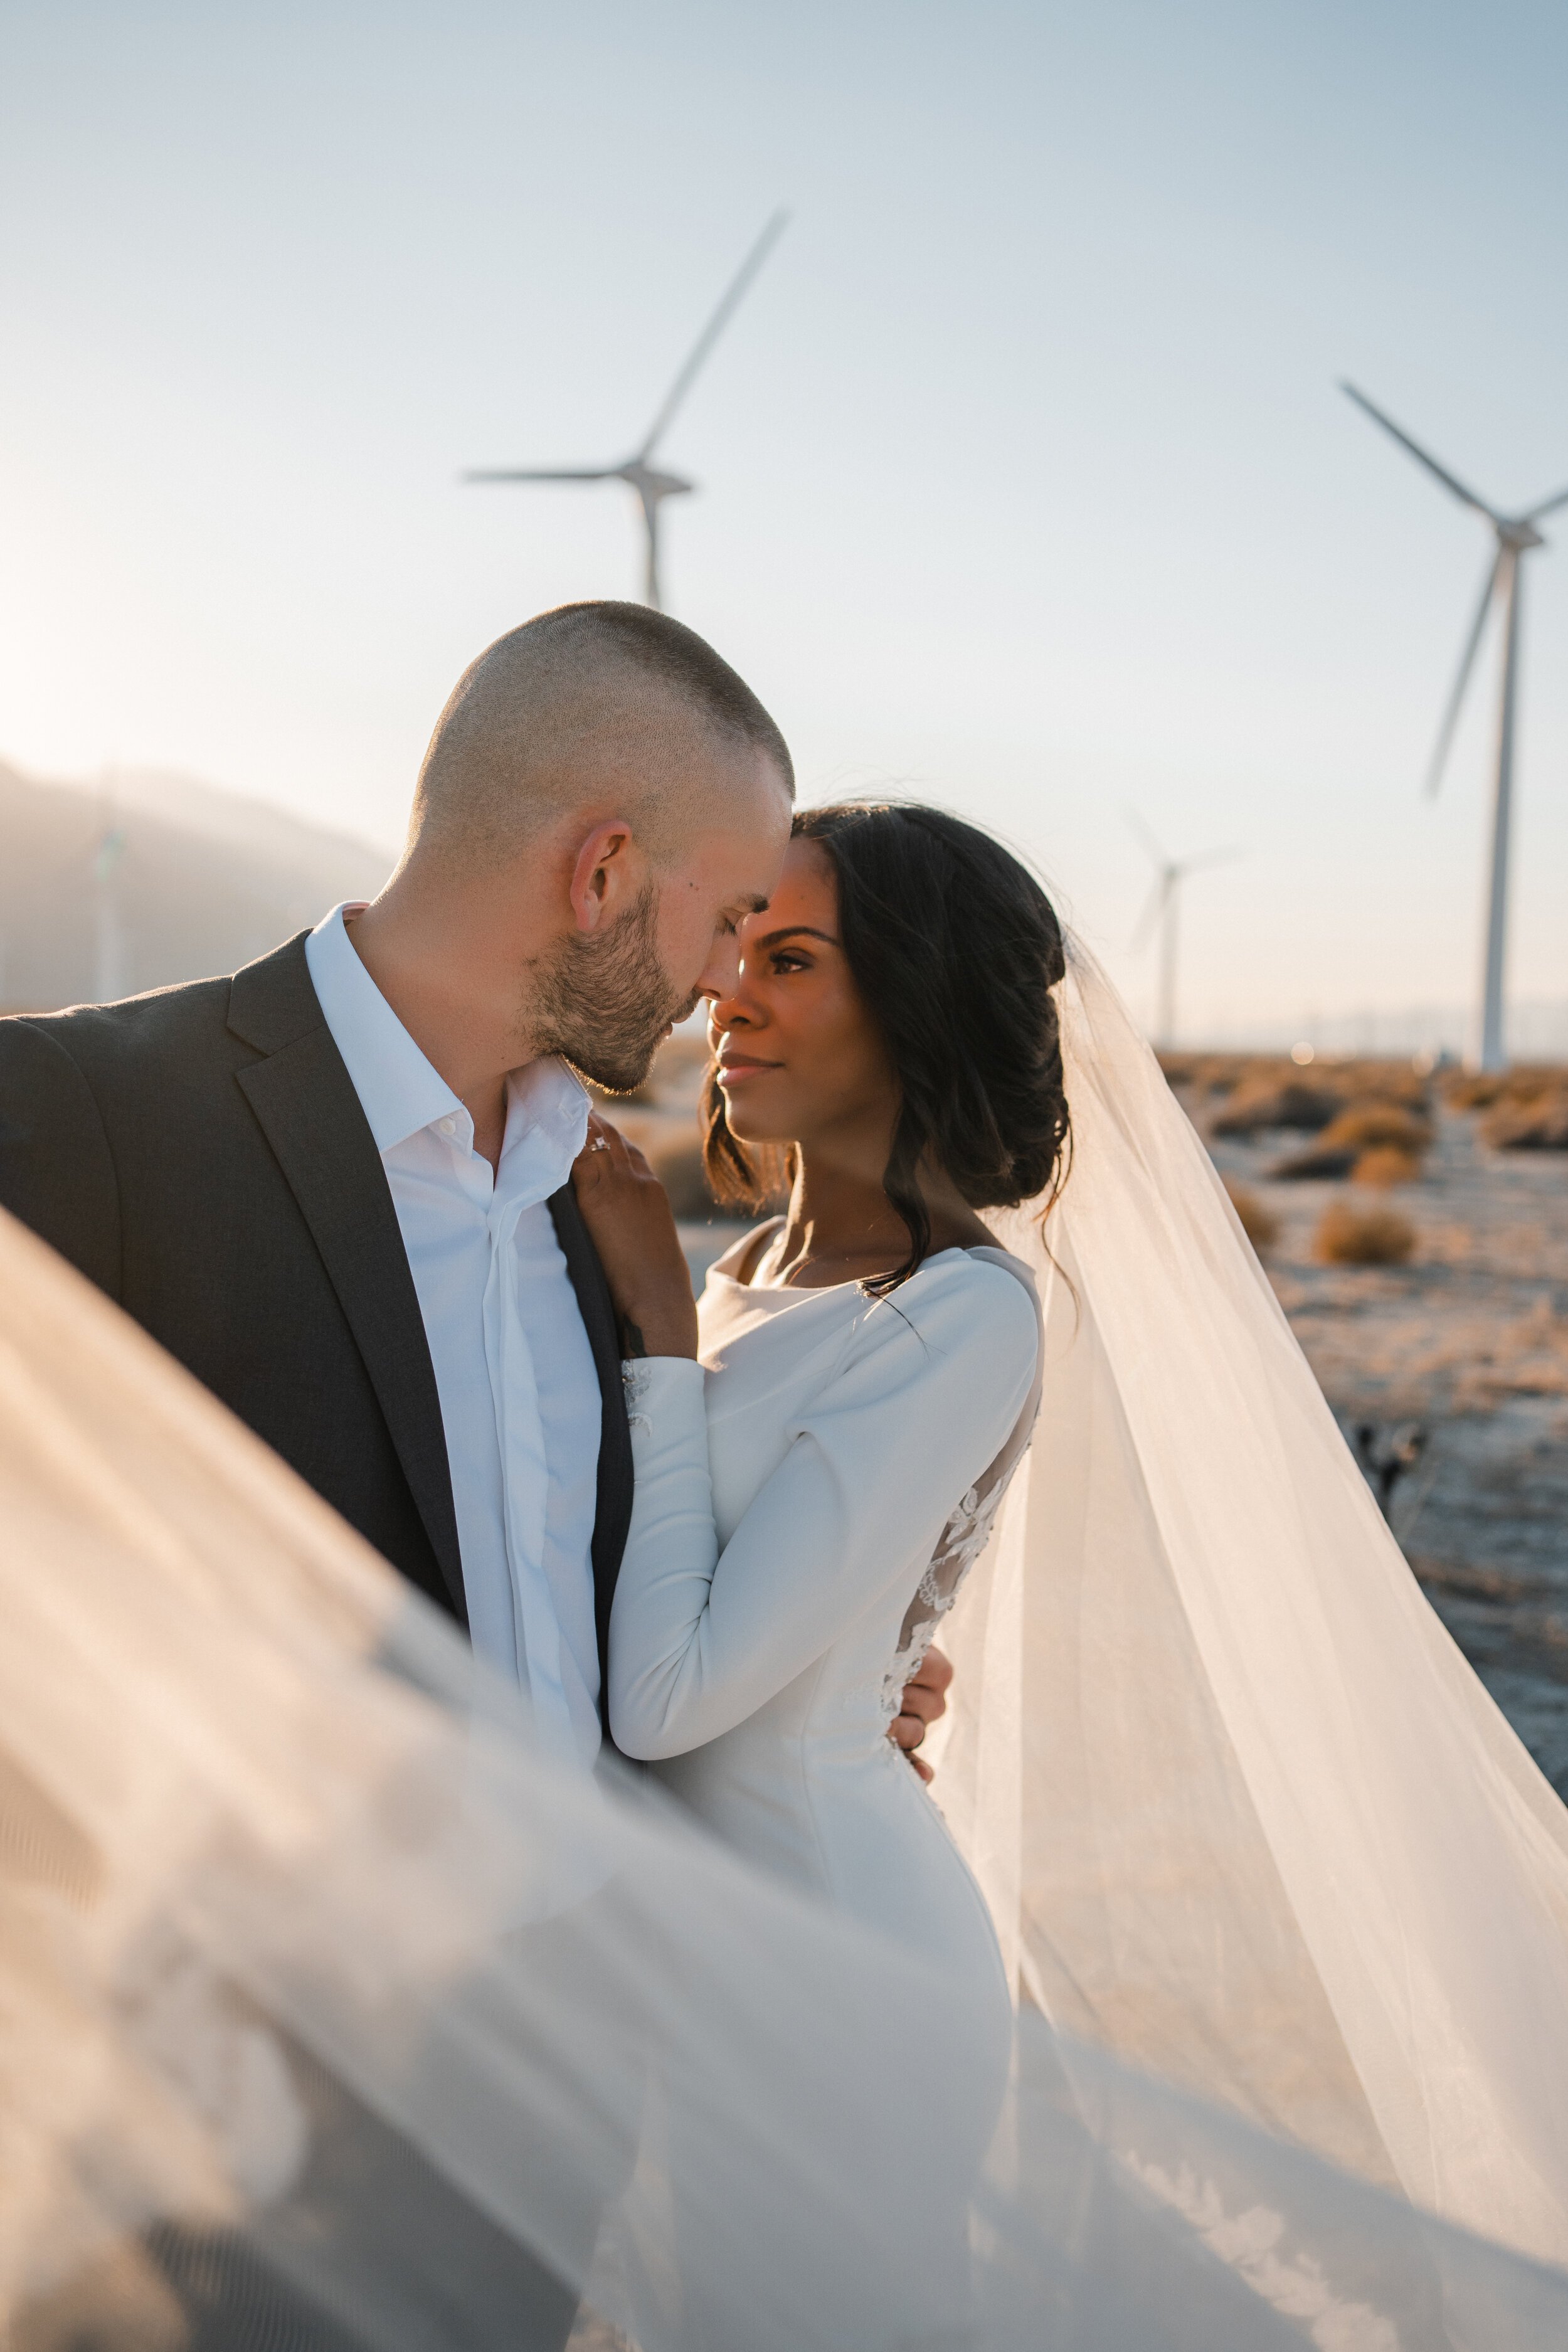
<point x="735" y="1070"/>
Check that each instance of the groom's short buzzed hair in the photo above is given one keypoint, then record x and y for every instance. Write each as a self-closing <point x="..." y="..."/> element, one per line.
<point x="602" y="682"/>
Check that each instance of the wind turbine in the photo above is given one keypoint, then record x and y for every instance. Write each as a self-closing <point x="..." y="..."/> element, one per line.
<point x="1165" y="909"/>
<point x="1516" y="535"/>
<point x="652" y="485"/>
<point x="109" y="978"/>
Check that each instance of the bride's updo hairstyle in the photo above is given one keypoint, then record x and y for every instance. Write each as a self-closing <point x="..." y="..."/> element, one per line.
<point x="954" y="950"/>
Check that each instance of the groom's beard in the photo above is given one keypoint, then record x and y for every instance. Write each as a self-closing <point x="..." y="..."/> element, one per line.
<point x="606" y="1001"/>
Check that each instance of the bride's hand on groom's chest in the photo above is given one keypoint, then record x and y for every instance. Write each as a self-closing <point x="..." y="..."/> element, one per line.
<point x="632" y="1225"/>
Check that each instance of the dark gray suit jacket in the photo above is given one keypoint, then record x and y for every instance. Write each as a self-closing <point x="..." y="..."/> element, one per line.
<point x="202" y="1156"/>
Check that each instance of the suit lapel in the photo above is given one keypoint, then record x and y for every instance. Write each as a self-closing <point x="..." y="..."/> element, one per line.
<point x="305" y="1102"/>
<point x="612" y="1510"/>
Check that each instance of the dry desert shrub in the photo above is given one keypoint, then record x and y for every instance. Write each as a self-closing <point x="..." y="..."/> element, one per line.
<point x="1257" y="1220"/>
<point x="1348" y="1235"/>
<point x="1376" y="1126"/>
<point x="1474" y="1089"/>
<point x="1538" y="1123"/>
<point x="1313" y="1166"/>
<point x="1389" y="1082"/>
<point x="1480" y="1090"/>
<point x="1265" y="1102"/>
<point x="1386" y="1165"/>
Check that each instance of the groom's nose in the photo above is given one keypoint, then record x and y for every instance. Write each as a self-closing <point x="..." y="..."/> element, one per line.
<point x="721" y="973"/>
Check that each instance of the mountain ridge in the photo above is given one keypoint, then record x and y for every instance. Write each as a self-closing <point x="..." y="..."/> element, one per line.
<point x="143" y="877"/>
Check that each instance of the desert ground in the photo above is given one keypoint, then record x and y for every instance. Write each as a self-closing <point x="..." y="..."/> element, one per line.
<point x="1468" y="1339"/>
<point x="1453" y="1349"/>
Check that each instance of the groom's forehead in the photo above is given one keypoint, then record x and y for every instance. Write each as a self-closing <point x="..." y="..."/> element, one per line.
<point x="741" y="809"/>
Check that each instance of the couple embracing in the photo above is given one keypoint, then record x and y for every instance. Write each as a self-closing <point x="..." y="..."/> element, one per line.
<point x="360" y="1191"/>
<point x="1217" y="1790"/>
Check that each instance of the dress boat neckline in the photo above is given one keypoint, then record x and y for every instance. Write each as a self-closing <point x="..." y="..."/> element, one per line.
<point x="831" y="1289"/>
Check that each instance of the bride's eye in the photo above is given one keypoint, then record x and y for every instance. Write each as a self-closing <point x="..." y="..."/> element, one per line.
<point x="789" y="959"/>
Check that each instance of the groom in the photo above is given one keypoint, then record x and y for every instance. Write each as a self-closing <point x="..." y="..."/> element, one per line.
<point x="336" y="1186"/>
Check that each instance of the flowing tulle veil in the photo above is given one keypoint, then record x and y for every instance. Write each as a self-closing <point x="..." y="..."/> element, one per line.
<point x="1243" y="1812"/>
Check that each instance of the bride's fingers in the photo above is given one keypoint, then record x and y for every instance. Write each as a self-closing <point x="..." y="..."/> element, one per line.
<point x="614" y="1144"/>
<point x="612" y="1174"/>
<point x="605" y="1150"/>
<point x="920" y="1704"/>
<point x="623" y="1156"/>
<point x="935" y="1673"/>
<point x="591" y="1162"/>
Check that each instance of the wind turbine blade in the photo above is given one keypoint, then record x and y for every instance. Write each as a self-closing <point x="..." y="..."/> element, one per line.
<point x="1149" y="917"/>
<point x="1422" y="456"/>
<point x="1547" y="506"/>
<point x="1148" y="836"/>
<point x="546" y="473"/>
<point x="1467" y="663"/>
<point x="713" y="330"/>
<point x="1213" y="857"/>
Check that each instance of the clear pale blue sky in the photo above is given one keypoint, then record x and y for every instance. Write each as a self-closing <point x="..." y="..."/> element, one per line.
<point x="1026" y="482"/>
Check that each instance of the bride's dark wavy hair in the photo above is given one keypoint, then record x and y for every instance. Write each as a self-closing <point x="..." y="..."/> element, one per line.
<point x="956" y="950"/>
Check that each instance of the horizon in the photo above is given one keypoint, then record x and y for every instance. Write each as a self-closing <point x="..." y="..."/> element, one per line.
<point x="1364" y="1032"/>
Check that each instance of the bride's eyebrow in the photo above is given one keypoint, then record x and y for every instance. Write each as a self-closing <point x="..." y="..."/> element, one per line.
<point x="796" y="932"/>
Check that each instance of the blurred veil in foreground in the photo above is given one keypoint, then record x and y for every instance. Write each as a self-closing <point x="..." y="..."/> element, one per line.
<point x="332" y="2015"/>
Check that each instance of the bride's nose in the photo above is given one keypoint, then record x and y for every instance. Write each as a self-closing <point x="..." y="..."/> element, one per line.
<point x="738" y="1010"/>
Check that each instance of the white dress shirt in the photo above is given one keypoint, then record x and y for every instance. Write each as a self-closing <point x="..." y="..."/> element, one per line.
<point x="520" y="1396"/>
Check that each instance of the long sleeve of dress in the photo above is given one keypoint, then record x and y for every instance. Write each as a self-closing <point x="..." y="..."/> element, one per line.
<point x="922" y="1400"/>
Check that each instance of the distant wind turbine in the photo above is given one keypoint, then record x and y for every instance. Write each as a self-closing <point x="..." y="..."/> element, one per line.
<point x="111" y="978"/>
<point x="1516" y="535"/>
<point x="652" y="485"/>
<point x="1165" y="909"/>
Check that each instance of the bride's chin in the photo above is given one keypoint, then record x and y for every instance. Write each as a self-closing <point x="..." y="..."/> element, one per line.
<point x="750" y="1130"/>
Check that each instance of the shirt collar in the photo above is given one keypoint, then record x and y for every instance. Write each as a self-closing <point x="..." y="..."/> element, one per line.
<point x="547" y="1110"/>
<point x="401" y="1092"/>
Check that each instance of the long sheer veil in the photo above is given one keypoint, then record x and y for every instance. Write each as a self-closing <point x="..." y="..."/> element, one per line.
<point x="1244" y="1813"/>
<point x="333" y="2014"/>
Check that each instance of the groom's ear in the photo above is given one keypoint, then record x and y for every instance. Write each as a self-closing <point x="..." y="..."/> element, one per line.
<point x="607" y="875"/>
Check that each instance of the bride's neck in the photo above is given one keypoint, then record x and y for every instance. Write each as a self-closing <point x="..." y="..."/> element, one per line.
<point x="840" y="1225"/>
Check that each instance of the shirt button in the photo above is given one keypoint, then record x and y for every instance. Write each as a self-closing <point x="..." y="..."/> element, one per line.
<point x="447" y="1126"/>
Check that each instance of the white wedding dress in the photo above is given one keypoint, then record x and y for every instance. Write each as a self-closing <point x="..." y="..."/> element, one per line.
<point x="808" y="1498"/>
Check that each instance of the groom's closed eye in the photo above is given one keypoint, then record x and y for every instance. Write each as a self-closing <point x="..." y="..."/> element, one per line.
<point x="731" y="920"/>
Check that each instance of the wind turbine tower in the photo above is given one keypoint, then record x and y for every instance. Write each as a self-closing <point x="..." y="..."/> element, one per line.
<point x="1165" y="909"/>
<point x="1516" y="535"/>
<point x="110" y="979"/>
<point x="652" y="484"/>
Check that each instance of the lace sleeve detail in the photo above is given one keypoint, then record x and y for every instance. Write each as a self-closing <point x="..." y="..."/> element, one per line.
<point x="958" y="1546"/>
<point x="637" y="1380"/>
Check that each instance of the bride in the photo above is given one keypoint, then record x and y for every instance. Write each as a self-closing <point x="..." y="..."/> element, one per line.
<point x="820" y="1449"/>
<point x="1240" y="1810"/>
